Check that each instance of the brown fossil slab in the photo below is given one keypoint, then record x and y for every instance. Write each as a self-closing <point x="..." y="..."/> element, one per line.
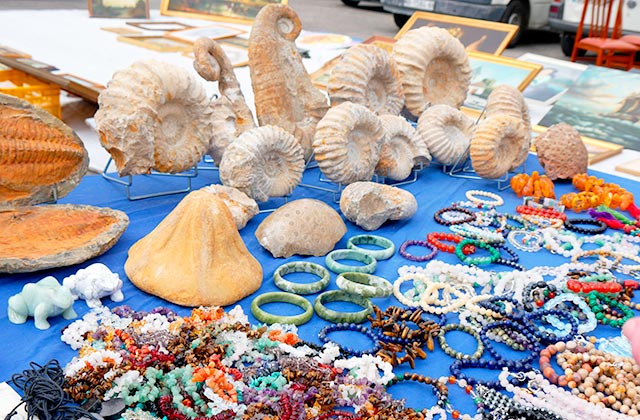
<point x="40" y="156"/>
<point x="35" y="238"/>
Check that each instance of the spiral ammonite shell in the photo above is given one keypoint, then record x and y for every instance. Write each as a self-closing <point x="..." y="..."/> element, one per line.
<point x="347" y="143"/>
<point x="401" y="149"/>
<point x="505" y="99"/>
<point x="154" y="115"/>
<point x="447" y="133"/>
<point x="368" y="76"/>
<point x="495" y="144"/>
<point x="434" y="68"/>
<point x="263" y="162"/>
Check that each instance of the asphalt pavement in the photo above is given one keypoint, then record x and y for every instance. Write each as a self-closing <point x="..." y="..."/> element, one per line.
<point x="333" y="16"/>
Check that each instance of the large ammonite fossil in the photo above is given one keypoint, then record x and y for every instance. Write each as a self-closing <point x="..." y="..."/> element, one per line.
<point x="230" y="116"/>
<point x="505" y="99"/>
<point x="40" y="157"/>
<point x="368" y="76"/>
<point x="264" y="162"/>
<point x="496" y="142"/>
<point x="154" y="115"/>
<point x="282" y="89"/>
<point x="401" y="149"/>
<point x="434" y="68"/>
<point x="447" y="133"/>
<point x="347" y="143"/>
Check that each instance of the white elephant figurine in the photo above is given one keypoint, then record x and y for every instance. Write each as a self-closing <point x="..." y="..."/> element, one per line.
<point x="95" y="282"/>
<point x="41" y="300"/>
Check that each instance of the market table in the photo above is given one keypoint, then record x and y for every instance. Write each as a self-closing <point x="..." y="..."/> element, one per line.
<point x="433" y="189"/>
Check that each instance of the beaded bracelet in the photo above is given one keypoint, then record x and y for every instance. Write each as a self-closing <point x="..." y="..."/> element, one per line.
<point x="431" y="302"/>
<point x="531" y="241"/>
<point x="598" y="303"/>
<point x="602" y="254"/>
<point x="503" y="219"/>
<point x="285" y="297"/>
<point x="457" y="354"/>
<point x="495" y="254"/>
<point x="350" y="254"/>
<point x="470" y="216"/>
<point x="342" y="317"/>
<point x="481" y="234"/>
<point x="322" y="335"/>
<point x="416" y="258"/>
<point x="527" y="340"/>
<point x="571" y="224"/>
<point x="302" y="267"/>
<point x="435" y="238"/>
<point x="439" y="389"/>
<point x="554" y="303"/>
<point x="387" y="251"/>
<point x="546" y="335"/>
<point x="496" y="199"/>
<point x="363" y="284"/>
<point x="413" y="299"/>
<point x="541" y="212"/>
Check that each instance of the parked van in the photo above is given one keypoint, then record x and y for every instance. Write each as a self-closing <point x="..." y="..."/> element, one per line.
<point x="564" y="18"/>
<point x="527" y="14"/>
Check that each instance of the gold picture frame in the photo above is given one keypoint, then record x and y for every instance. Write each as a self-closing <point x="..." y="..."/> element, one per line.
<point x="475" y="34"/>
<point x="157" y="43"/>
<point x="598" y="150"/>
<point x="212" y="32"/>
<point x="120" y="9"/>
<point x="239" y="11"/>
<point x="159" y="25"/>
<point x="631" y="167"/>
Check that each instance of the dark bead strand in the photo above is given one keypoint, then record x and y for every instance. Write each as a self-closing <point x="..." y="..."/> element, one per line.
<point x="547" y="337"/>
<point x="511" y="264"/>
<point x="416" y="242"/>
<point x="528" y="340"/>
<point x="440" y="390"/>
<point x="458" y="365"/>
<point x="492" y="304"/>
<point x="571" y="224"/>
<point x="322" y="335"/>
<point x="514" y="255"/>
<point x="527" y="294"/>
<point x="471" y="216"/>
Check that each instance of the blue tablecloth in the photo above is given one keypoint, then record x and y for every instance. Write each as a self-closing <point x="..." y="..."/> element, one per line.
<point x="433" y="190"/>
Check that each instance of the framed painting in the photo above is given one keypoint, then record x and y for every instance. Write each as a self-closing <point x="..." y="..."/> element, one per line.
<point x="121" y="30"/>
<point x="9" y="52"/>
<point x="381" y="41"/>
<point x="241" y="11"/>
<point x="238" y="56"/>
<point x="603" y="104"/>
<point x="83" y="82"/>
<point x="489" y="71"/>
<point x="212" y="32"/>
<point x="123" y="9"/>
<point x="598" y="150"/>
<point x="631" y="167"/>
<point x="320" y="77"/>
<point x="158" y="25"/>
<point x="555" y="78"/>
<point x="157" y="43"/>
<point x="475" y="34"/>
<point x="37" y="64"/>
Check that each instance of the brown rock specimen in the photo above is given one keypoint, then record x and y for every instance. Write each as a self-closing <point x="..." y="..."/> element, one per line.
<point x="561" y="152"/>
<point x="284" y="94"/>
<point x="302" y="227"/>
<point x="369" y="204"/>
<point x="154" y="115"/>
<point x="241" y="206"/>
<point x="368" y="76"/>
<point x="40" y="156"/>
<point x="57" y="235"/>
<point x="195" y="256"/>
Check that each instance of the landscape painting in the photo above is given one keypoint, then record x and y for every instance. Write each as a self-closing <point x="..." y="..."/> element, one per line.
<point x="603" y="104"/>
<point x="123" y="9"/>
<point x="242" y="11"/>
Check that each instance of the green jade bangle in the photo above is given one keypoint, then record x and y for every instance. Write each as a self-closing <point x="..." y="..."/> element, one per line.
<point x="387" y="251"/>
<point x="301" y="267"/>
<point x="284" y="297"/>
<point x="365" y="285"/>
<point x="350" y="254"/>
<point x="342" y="317"/>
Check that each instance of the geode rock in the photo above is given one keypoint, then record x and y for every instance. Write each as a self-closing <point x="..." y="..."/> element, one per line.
<point x="561" y="152"/>
<point x="195" y="256"/>
<point x="241" y="206"/>
<point x="303" y="227"/>
<point x="369" y="204"/>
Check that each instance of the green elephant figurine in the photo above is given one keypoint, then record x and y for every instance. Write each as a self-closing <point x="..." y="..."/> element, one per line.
<point x="41" y="300"/>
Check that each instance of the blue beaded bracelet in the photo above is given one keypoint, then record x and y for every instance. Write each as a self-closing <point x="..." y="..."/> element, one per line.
<point x="351" y="327"/>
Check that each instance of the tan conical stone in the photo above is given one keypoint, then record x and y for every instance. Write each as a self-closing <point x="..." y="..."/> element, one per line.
<point x="195" y="256"/>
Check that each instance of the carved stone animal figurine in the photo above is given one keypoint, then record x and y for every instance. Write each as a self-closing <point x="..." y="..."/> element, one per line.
<point x="41" y="300"/>
<point x="94" y="282"/>
<point x="284" y="94"/>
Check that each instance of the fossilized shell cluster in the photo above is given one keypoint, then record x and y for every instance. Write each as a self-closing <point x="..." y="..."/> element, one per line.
<point x="40" y="156"/>
<point x="505" y="99"/>
<point x="401" y="149"/>
<point x="367" y="75"/>
<point x="370" y="204"/>
<point x="263" y="162"/>
<point x="195" y="256"/>
<point x="302" y="227"/>
<point x="347" y="143"/>
<point x="35" y="238"/>
<point x="241" y="206"/>
<point x="495" y="144"/>
<point x="434" y="68"/>
<point x="230" y="115"/>
<point x="283" y="92"/>
<point x="447" y="133"/>
<point x="561" y="152"/>
<point x="154" y="115"/>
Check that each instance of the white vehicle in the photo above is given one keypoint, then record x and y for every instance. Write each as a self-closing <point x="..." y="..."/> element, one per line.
<point x="527" y="14"/>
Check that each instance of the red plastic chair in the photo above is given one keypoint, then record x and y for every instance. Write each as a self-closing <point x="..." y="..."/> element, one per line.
<point x="602" y="39"/>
